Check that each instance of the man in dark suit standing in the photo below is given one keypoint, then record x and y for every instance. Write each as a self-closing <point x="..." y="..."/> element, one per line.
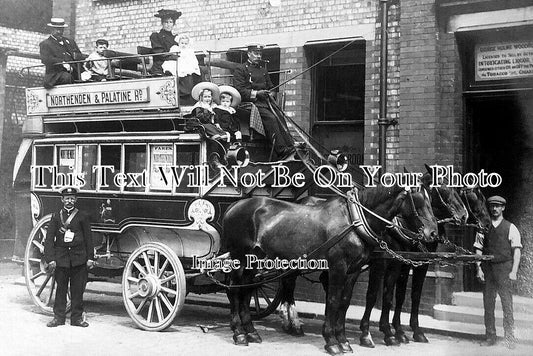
<point x="253" y="82"/>
<point x="69" y="252"/>
<point x="55" y="50"/>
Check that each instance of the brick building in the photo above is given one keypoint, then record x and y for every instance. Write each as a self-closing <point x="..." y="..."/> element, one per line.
<point x="453" y="105"/>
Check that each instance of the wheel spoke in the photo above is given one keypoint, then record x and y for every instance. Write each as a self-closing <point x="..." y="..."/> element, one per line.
<point x="163" y="268"/>
<point x="166" y="279"/>
<point x="158" y="310"/>
<point x="43" y="232"/>
<point x="256" y="300"/>
<point x="147" y="262"/>
<point x="43" y="286"/>
<point x="165" y="301"/>
<point x="131" y="296"/>
<point x="168" y="290"/>
<point x="139" y="267"/>
<point x="141" y="306"/>
<point x="37" y="275"/>
<point x="133" y="280"/>
<point x="39" y="245"/>
<point x="52" y="287"/>
<point x="34" y="260"/>
<point x="150" y="311"/>
<point x="156" y="262"/>
<point x="265" y="296"/>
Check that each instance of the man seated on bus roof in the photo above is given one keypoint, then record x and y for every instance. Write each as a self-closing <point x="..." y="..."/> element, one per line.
<point x="54" y="51"/>
<point x="253" y="82"/>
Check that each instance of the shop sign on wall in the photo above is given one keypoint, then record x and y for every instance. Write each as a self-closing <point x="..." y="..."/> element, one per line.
<point x="508" y="60"/>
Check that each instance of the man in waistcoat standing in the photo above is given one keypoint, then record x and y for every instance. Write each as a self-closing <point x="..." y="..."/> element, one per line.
<point x="503" y="242"/>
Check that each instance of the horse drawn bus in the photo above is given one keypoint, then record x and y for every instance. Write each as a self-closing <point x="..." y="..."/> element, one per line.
<point x="171" y="209"/>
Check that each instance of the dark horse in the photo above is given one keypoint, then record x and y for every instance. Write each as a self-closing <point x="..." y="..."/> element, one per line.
<point x="273" y="228"/>
<point x="391" y="274"/>
<point x="468" y="207"/>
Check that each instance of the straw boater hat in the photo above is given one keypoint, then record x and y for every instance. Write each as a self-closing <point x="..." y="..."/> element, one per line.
<point x="165" y="13"/>
<point x="233" y="92"/>
<point x="198" y="88"/>
<point x="57" y="22"/>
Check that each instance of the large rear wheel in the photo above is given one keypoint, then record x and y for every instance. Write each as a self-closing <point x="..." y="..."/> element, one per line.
<point x="153" y="286"/>
<point x="265" y="299"/>
<point x="41" y="284"/>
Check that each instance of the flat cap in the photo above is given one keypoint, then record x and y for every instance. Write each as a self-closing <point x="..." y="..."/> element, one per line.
<point x="68" y="191"/>
<point x="496" y="199"/>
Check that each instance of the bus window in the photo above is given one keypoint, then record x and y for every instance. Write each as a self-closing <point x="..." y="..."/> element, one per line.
<point x="109" y="156"/>
<point x="44" y="156"/>
<point x="187" y="155"/>
<point x="135" y="165"/>
<point x="161" y="161"/>
<point x="86" y="160"/>
<point x="66" y="166"/>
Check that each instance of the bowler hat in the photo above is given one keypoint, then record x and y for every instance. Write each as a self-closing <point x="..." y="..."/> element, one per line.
<point x="57" y="22"/>
<point x="255" y="47"/>
<point x="198" y="88"/>
<point x="496" y="199"/>
<point x="68" y="191"/>
<point x="165" y="13"/>
<point x="228" y="89"/>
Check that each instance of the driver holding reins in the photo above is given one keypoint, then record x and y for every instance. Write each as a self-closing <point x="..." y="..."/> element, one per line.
<point x="253" y="82"/>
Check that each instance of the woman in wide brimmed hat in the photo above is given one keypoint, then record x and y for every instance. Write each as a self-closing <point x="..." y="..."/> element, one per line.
<point x="225" y="111"/>
<point x="163" y="40"/>
<point x="207" y="94"/>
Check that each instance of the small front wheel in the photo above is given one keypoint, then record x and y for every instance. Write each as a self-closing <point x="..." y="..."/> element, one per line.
<point x="153" y="286"/>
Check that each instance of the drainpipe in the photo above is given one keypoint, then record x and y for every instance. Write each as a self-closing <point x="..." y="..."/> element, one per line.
<point x="383" y="122"/>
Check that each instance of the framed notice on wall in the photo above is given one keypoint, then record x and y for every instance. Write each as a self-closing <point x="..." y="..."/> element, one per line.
<point x="504" y="60"/>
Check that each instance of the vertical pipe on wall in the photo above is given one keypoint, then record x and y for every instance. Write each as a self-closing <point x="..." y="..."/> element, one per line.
<point x="382" y="120"/>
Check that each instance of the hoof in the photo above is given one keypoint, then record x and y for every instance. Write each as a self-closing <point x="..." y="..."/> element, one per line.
<point x="333" y="349"/>
<point x="240" y="339"/>
<point x="391" y="341"/>
<point x="366" y="341"/>
<point x="345" y="347"/>
<point x="296" y="331"/>
<point x="420" y="337"/>
<point x="254" y="338"/>
<point x="401" y="338"/>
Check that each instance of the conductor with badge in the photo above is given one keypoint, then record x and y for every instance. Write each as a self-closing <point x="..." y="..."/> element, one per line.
<point x="68" y="250"/>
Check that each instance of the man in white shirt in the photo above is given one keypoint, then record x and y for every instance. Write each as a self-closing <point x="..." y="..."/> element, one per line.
<point x="503" y="242"/>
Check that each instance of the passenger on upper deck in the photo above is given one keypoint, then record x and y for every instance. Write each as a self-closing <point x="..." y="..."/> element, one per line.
<point x="207" y="94"/>
<point x="163" y="40"/>
<point x="225" y="112"/>
<point x="54" y="51"/>
<point x="253" y="83"/>
<point x="97" y="64"/>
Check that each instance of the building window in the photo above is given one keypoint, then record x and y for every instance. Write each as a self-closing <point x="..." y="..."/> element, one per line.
<point x="338" y="83"/>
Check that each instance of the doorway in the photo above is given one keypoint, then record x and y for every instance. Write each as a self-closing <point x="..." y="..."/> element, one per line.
<point x="499" y="138"/>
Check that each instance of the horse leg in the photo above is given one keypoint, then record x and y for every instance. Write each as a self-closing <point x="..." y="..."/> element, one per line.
<point x="389" y="282"/>
<point x="401" y="290"/>
<point x="419" y="275"/>
<point x="252" y="335"/>
<point x="340" y="327"/>
<point x="336" y="280"/>
<point x="234" y="296"/>
<point x="375" y="277"/>
<point x="291" y="323"/>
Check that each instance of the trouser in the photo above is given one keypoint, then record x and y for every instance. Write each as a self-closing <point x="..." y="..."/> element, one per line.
<point x="497" y="280"/>
<point x="275" y="132"/>
<point x="77" y="276"/>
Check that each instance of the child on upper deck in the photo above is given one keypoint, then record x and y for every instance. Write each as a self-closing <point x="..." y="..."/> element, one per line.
<point x="96" y="67"/>
<point x="225" y="112"/>
<point x="203" y="110"/>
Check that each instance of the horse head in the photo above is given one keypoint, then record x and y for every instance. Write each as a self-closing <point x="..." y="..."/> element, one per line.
<point x="445" y="201"/>
<point x="417" y="214"/>
<point x="476" y="205"/>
